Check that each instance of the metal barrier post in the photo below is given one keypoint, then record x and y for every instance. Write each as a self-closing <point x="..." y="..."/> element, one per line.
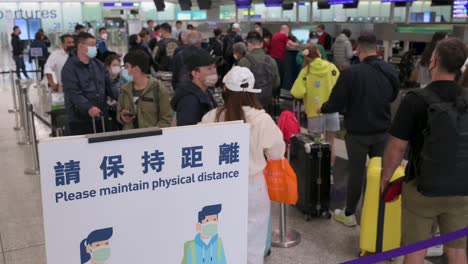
<point x="285" y="237"/>
<point x="13" y="93"/>
<point x="15" y="109"/>
<point x="38" y="71"/>
<point x="35" y="169"/>
<point x="25" y="117"/>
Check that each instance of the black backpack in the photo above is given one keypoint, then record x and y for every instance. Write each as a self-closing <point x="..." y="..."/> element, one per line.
<point x="442" y="165"/>
<point x="165" y="54"/>
<point x="264" y="79"/>
<point x="215" y="47"/>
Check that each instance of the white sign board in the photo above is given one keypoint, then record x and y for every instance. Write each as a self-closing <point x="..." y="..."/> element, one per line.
<point x="36" y="52"/>
<point x="154" y="199"/>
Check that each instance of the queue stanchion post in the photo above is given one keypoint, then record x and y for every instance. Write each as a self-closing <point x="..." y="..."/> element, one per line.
<point x="15" y="110"/>
<point x="32" y="134"/>
<point x="285" y="237"/>
<point x="25" y="116"/>
<point x="13" y="93"/>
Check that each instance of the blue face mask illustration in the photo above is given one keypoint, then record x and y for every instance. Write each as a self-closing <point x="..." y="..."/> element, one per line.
<point x="92" y="52"/>
<point x="126" y="75"/>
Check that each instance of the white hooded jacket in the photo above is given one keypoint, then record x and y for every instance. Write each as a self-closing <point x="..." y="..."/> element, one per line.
<point x="266" y="139"/>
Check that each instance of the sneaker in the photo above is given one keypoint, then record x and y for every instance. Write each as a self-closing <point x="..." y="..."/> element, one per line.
<point x="340" y="217"/>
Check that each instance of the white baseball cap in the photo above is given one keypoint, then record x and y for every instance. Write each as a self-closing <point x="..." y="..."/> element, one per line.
<point x="236" y="25"/>
<point x="240" y="79"/>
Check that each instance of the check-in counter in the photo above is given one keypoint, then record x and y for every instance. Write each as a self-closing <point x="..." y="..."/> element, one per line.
<point x="291" y="68"/>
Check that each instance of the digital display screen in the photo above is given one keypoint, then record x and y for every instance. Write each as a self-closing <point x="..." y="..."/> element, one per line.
<point x="199" y="15"/>
<point x="302" y="35"/>
<point x="340" y="2"/>
<point x="34" y="25"/>
<point x="460" y="8"/>
<point x="271" y="3"/>
<point x="184" y="15"/>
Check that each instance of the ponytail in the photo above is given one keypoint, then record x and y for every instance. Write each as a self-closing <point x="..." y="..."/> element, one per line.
<point x="85" y="256"/>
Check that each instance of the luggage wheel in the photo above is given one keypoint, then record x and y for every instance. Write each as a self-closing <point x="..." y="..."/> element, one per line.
<point x="327" y="215"/>
<point x="307" y="217"/>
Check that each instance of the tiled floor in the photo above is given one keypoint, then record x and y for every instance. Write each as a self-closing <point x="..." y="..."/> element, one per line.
<point x="21" y="223"/>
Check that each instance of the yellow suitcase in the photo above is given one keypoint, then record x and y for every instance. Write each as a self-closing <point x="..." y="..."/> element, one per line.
<point x="380" y="221"/>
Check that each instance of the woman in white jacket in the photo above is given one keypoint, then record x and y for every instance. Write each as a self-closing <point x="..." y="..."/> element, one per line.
<point x="266" y="140"/>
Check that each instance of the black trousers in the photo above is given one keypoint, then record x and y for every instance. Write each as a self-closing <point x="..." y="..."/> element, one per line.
<point x="358" y="148"/>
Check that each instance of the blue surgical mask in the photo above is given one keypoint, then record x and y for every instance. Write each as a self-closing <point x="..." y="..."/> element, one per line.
<point x="126" y="76"/>
<point x="92" y="52"/>
<point x="314" y="41"/>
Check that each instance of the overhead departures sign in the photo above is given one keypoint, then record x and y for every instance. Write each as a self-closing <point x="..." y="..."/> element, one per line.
<point x="171" y="198"/>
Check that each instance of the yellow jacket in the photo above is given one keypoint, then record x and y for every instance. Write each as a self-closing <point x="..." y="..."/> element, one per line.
<point x="314" y="84"/>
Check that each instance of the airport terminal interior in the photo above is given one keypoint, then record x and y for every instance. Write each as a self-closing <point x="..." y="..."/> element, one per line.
<point x="401" y="27"/>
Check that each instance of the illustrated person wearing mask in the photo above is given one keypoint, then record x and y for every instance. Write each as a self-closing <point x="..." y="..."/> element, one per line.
<point x="95" y="249"/>
<point x="266" y="142"/>
<point x="207" y="246"/>
<point x="192" y="99"/>
<point x="143" y="101"/>
<point x="56" y="61"/>
<point x="86" y="86"/>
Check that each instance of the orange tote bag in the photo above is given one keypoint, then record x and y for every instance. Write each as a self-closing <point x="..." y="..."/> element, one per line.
<point x="281" y="181"/>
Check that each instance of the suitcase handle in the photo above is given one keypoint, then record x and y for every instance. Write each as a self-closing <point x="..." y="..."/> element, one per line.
<point x="102" y="124"/>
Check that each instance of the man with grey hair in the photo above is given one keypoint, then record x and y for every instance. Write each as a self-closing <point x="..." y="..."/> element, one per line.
<point x="239" y="50"/>
<point x="179" y="69"/>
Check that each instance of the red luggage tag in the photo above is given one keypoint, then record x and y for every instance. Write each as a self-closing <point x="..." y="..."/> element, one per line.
<point x="393" y="192"/>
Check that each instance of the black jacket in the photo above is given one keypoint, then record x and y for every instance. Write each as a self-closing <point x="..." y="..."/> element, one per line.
<point x="80" y="92"/>
<point x="17" y="45"/>
<point x="40" y="44"/>
<point x="191" y="103"/>
<point x="363" y="93"/>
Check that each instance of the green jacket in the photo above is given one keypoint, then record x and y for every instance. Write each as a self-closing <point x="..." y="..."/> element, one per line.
<point x="148" y="109"/>
<point x="259" y="55"/>
<point x="300" y="58"/>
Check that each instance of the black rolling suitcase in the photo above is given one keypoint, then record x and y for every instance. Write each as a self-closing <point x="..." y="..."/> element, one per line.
<point x="311" y="160"/>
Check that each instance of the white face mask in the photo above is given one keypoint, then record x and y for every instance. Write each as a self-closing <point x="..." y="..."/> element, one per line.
<point x="211" y="80"/>
<point x="320" y="33"/>
<point x="104" y="36"/>
<point x="115" y="70"/>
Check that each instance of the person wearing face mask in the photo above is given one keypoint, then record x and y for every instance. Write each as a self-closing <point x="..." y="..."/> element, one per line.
<point x="18" y="49"/>
<point x="113" y="68"/>
<point x="266" y="142"/>
<point x="207" y="246"/>
<point x="143" y="100"/>
<point x="103" y="51"/>
<point x="86" y="86"/>
<point x="95" y="249"/>
<point x="239" y="50"/>
<point x="313" y="39"/>
<point x="364" y="93"/>
<point x="342" y="50"/>
<point x="324" y="38"/>
<point x="56" y="61"/>
<point x="193" y="99"/>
